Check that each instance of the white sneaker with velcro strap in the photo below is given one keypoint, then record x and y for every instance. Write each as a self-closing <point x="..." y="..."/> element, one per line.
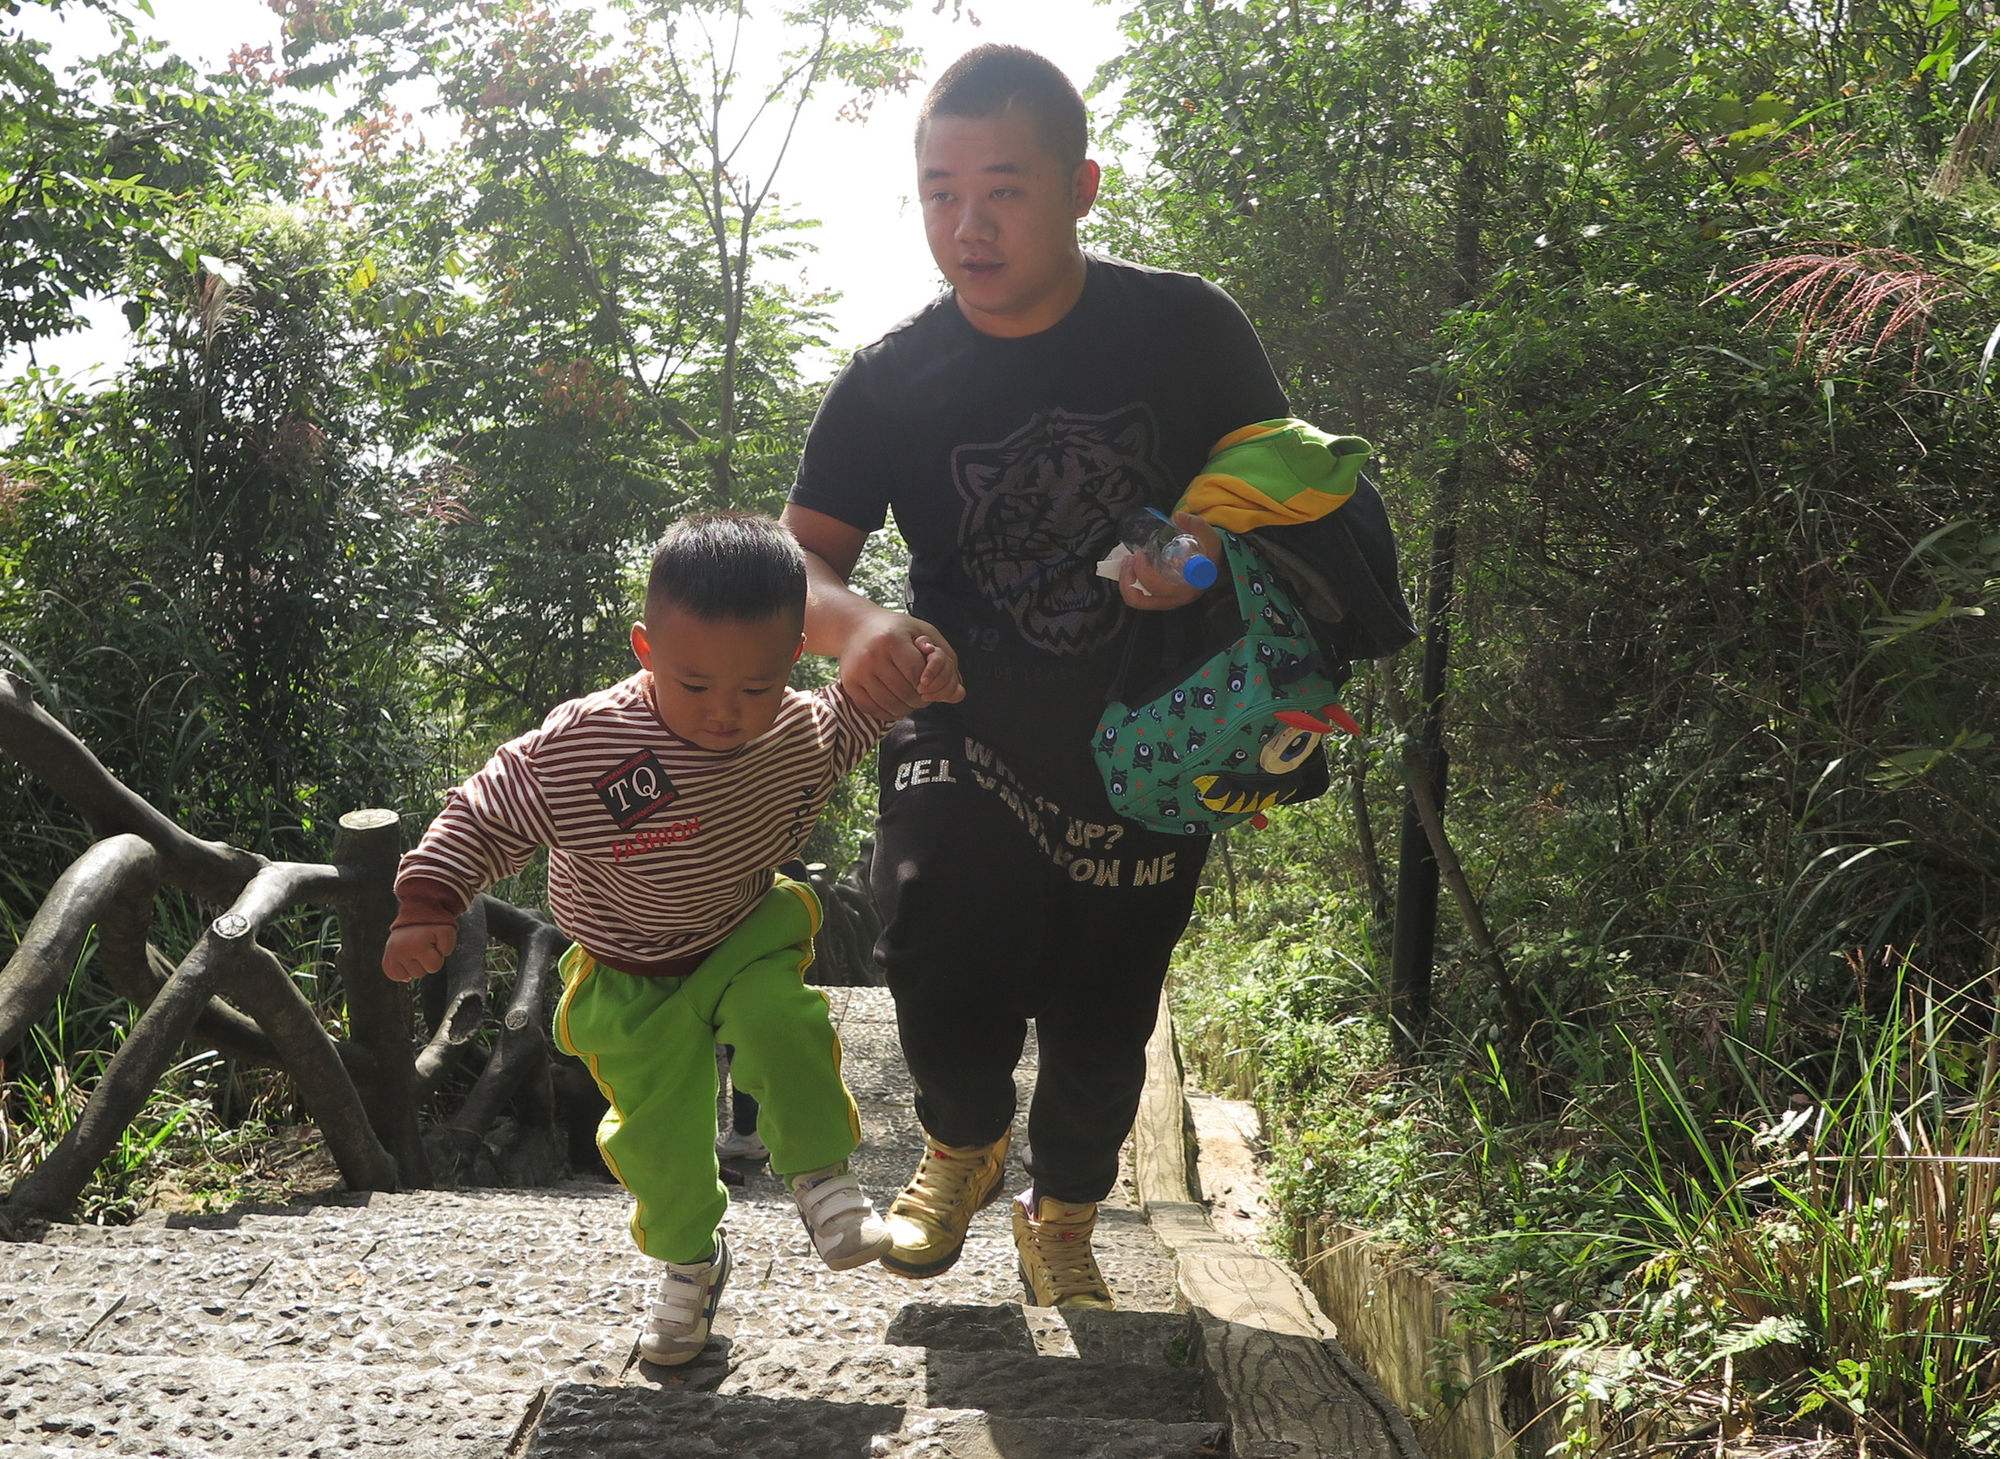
<point x="677" y="1327"/>
<point x="845" y="1230"/>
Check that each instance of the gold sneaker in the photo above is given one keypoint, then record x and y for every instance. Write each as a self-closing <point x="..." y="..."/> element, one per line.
<point x="927" y="1221"/>
<point x="1057" y="1267"/>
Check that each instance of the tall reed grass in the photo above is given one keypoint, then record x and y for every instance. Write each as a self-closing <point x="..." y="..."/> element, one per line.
<point x="1832" y="1272"/>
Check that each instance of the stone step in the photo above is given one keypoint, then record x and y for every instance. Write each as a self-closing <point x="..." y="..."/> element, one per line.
<point x="471" y="1319"/>
<point x="395" y="1293"/>
<point x="571" y="1315"/>
<point x="585" y="1422"/>
<point x="1021" y="1385"/>
<point x="224" y="1408"/>
<point x="1009" y="1327"/>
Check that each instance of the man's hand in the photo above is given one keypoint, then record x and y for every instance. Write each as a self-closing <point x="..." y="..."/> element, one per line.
<point x="413" y="952"/>
<point x="1146" y="587"/>
<point x="893" y="662"/>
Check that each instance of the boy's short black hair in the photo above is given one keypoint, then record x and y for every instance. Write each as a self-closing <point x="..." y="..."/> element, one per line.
<point x="728" y="565"/>
<point x="989" y="80"/>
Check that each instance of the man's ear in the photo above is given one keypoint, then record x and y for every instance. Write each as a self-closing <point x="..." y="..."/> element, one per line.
<point x="642" y="647"/>
<point x="800" y="650"/>
<point x="1083" y="185"/>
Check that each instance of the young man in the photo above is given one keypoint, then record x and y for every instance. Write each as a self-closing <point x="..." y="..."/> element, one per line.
<point x="665" y="802"/>
<point x="1009" y="426"/>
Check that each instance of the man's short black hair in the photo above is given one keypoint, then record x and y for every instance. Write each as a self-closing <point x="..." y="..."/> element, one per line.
<point x="988" y="81"/>
<point x="728" y="565"/>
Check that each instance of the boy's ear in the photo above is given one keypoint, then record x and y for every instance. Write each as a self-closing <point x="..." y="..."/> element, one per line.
<point x="642" y="647"/>
<point x="798" y="652"/>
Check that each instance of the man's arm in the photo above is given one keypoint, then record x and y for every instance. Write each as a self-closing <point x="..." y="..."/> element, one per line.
<point x="882" y="662"/>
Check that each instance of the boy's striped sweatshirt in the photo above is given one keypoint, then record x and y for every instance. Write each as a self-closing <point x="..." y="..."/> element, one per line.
<point x="657" y="847"/>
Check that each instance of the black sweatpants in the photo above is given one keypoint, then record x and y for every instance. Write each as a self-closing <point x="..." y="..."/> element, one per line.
<point x="999" y="906"/>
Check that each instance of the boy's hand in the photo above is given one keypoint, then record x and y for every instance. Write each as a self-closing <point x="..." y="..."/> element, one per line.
<point x="882" y="666"/>
<point x="1147" y="588"/>
<point x="939" y="682"/>
<point x="415" y="951"/>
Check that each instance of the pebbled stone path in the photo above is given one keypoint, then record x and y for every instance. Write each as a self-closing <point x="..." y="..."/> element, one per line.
<point x="440" y="1324"/>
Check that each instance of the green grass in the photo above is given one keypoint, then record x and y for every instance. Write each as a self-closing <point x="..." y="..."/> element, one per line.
<point x="1836" y="1268"/>
<point x="1745" y="1198"/>
<point x="211" y="1135"/>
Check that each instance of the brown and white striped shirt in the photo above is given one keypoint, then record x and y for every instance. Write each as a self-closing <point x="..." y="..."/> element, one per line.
<point x="657" y="848"/>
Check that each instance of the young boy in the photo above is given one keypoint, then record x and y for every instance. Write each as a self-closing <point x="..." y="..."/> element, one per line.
<point x="665" y="802"/>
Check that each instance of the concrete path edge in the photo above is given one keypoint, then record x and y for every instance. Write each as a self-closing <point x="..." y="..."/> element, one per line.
<point x="1269" y="1355"/>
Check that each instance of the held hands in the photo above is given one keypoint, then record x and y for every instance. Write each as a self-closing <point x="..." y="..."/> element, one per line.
<point x="1146" y="587"/>
<point x="896" y="662"/>
<point x="939" y="681"/>
<point x="416" y="951"/>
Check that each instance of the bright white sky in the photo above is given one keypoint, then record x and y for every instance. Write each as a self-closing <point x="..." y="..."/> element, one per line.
<point x="856" y="178"/>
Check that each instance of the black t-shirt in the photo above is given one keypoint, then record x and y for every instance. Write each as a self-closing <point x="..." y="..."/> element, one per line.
<point x="1008" y="463"/>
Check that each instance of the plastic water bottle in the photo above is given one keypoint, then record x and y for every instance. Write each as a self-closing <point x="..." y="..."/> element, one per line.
<point x="1153" y="535"/>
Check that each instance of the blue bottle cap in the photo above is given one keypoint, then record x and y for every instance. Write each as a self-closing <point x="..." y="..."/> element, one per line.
<point x="1198" y="571"/>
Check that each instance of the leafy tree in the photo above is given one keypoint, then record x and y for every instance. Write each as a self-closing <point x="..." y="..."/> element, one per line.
<point x="1719" y="403"/>
<point x="206" y="579"/>
<point x="94" y="166"/>
<point x="569" y="292"/>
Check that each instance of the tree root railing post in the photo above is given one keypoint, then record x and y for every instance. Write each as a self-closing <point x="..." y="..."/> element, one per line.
<point x="45" y="748"/>
<point x="523" y="1045"/>
<point x="366" y="849"/>
<point x="127" y="1083"/>
<point x="463" y="981"/>
<point x="259" y="982"/>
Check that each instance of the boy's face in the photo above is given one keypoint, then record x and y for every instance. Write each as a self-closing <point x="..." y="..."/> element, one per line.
<point x="717" y="682"/>
<point x="1000" y="215"/>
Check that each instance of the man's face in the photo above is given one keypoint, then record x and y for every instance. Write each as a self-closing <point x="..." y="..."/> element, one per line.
<point x="717" y="683"/>
<point x="1000" y="215"/>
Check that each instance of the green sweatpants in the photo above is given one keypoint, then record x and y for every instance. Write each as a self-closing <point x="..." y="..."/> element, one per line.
<point x="650" y="1045"/>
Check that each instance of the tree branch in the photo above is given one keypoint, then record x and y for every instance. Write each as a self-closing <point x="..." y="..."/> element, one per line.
<point x="118" y="871"/>
<point x="45" y="747"/>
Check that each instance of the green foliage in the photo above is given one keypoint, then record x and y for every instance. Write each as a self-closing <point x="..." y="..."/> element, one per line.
<point x="208" y="578"/>
<point x="1694" y="304"/>
<point x="95" y="166"/>
<point x="574" y="323"/>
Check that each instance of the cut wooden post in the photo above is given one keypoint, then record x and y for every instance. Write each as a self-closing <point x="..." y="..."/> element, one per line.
<point x="378" y="1010"/>
<point x="1160" y="1130"/>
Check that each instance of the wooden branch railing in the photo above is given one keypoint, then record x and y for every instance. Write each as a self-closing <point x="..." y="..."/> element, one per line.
<point x="230" y="993"/>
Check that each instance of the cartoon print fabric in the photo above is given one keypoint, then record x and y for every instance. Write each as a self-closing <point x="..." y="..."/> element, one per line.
<point x="1239" y="733"/>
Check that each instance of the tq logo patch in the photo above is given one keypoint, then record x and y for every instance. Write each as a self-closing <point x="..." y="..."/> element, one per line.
<point x="635" y="788"/>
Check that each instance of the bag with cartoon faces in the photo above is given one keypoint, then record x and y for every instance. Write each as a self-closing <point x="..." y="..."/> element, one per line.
<point x="1199" y="749"/>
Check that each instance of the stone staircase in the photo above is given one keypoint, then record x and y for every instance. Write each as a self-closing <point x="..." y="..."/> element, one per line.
<point x="502" y="1322"/>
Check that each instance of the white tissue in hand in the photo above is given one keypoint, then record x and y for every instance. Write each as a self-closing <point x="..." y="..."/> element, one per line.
<point x="1108" y="568"/>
